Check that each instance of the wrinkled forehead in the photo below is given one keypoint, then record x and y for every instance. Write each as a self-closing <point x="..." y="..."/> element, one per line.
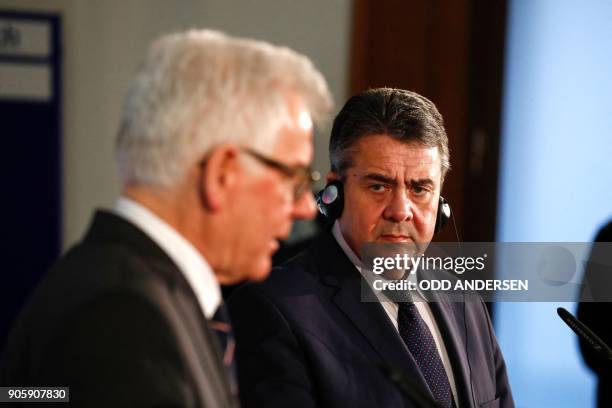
<point x="396" y="158"/>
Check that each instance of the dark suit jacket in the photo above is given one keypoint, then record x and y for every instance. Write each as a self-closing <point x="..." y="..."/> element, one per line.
<point x="596" y="313"/>
<point x="305" y="339"/>
<point x="116" y="321"/>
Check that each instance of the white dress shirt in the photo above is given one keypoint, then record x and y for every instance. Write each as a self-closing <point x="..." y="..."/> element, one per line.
<point x="189" y="261"/>
<point x="392" y="310"/>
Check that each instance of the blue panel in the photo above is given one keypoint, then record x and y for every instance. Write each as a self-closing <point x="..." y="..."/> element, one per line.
<point x="556" y="176"/>
<point x="31" y="180"/>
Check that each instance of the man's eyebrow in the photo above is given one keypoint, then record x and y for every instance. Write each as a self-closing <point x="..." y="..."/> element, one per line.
<point x="380" y="177"/>
<point x="389" y="180"/>
<point x="422" y="182"/>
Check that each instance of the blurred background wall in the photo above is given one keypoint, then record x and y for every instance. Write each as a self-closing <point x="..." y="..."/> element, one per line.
<point x="555" y="176"/>
<point x="104" y="41"/>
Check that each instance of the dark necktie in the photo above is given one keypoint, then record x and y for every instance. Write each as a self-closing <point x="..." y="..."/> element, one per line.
<point x="221" y="325"/>
<point x="422" y="346"/>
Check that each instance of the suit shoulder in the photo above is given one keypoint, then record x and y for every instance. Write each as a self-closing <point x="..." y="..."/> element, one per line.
<point x="291" y="283"/>
<point x="91" y="274"/>
<point x="298" y="272"/>
<point x="89" y="270"/>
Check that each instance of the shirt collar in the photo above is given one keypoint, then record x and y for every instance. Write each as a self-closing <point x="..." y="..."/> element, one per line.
<point x="352" y="256"/>
<point x="187" y="258"/>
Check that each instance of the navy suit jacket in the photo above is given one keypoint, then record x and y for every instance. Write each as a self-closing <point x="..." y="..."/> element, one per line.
<point x="306" y="339"/>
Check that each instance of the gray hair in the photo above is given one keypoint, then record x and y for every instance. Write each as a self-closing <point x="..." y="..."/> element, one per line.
<point x="200" y="88"/>
<point x="403" y="115"/>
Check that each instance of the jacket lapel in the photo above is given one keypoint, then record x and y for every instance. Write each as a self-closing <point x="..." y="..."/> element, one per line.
<point x="450" y="318"/>
<point x="179" y="302"/>
<point x="369" y="318"/>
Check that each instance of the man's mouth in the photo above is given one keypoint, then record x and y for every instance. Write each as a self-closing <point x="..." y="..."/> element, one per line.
<point x="395" y="238"/>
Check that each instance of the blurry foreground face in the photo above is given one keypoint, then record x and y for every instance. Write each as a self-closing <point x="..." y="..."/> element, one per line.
<point x="390" y="193"/>
<point x="267" y="204"/>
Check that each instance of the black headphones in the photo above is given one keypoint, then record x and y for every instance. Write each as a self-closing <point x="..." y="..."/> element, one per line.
<point x="330" y="202"/>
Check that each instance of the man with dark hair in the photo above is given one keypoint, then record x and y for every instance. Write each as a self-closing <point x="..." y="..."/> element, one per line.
<point x="304" y="336"/>
<point x="402" y="115"/>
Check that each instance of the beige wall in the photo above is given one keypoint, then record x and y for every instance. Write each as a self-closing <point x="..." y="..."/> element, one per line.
<point x="104" y="40"/>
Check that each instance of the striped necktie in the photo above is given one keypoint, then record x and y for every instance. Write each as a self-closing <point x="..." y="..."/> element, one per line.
<point x="221" y="325"/>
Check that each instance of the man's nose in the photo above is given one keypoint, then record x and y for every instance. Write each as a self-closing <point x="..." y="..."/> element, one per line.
<point x="399" y="209"/>
<point x="304" y="208"/>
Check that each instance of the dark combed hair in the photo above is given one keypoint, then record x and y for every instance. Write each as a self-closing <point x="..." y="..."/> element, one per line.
<point x="403" y="115"/>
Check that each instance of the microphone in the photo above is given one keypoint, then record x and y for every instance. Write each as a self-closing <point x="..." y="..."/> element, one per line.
<point x="586" y="334"/>
<point x="408" y="388"/>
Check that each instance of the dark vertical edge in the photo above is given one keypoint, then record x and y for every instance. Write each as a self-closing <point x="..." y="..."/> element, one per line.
<point x="57" y="101"/>
<point x="447" y="67"/>
<point x="359" y="45"/>
<point x="484" y="118"/>
<point x="388" y="45"/>
<point x="486" y="75"/>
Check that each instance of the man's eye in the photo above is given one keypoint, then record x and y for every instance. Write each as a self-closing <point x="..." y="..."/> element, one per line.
<point x="377" y="188"/>
<point x="419" y="190"/>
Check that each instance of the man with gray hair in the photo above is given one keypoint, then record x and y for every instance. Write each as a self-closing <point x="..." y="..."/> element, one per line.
<point x="307" y="338"/>
<point x="213" y="152"/>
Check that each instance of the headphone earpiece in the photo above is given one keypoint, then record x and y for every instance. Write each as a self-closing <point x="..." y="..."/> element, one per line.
<point x="330" y="200"/>
<point x="443" y="215"/>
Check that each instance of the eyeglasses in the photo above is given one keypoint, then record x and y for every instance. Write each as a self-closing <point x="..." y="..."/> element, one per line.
<point x="302" y="176"/>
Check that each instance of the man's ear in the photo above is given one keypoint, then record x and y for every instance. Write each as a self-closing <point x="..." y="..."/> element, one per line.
<point x="220" y="173"/>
